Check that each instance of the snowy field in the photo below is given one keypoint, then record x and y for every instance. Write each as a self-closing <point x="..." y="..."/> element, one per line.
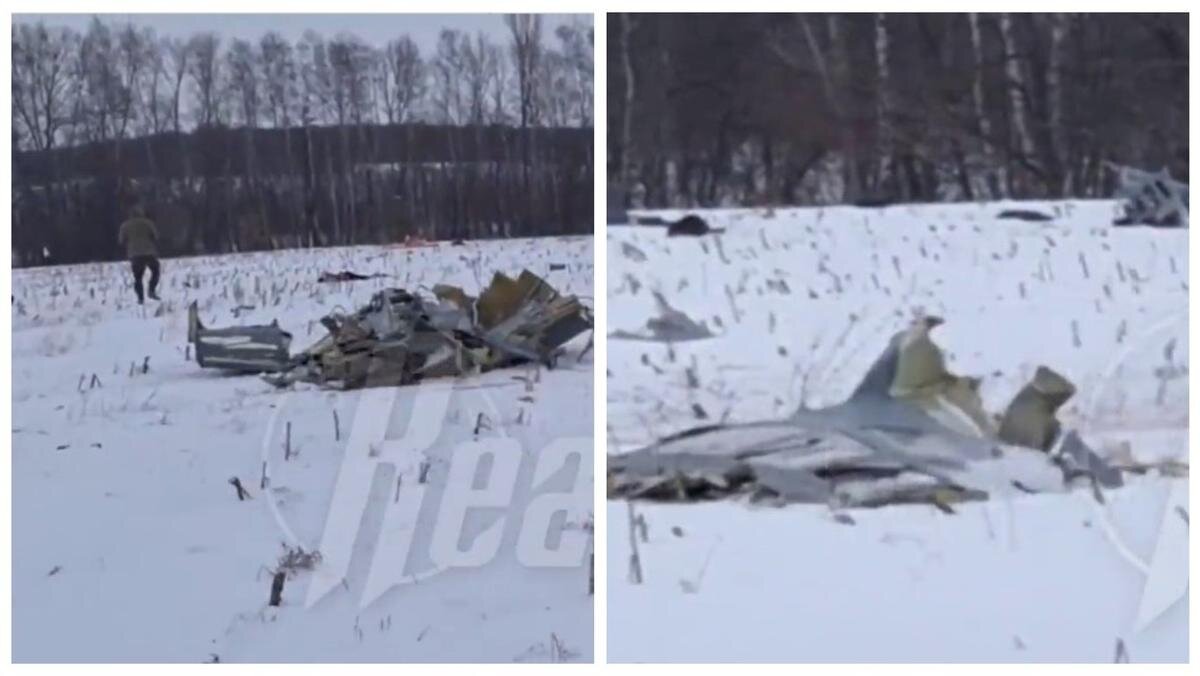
<point x="801" y="302"/>
<point x="130" y="543"/>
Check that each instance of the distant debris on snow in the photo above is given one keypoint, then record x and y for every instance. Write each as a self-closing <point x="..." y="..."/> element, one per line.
<point x="1151" y="198"/>
<point x="411" y="242"/>
<point x="347" y="276"/>
<point x="876" y="202"/>
<point x="401" y="338"/>
<point x="670" y="326"/>
<point x="690" y="225"/>
<point x="633" y="253"/>
<point x="911" y="432"/>
<point x="1024" y="215"/>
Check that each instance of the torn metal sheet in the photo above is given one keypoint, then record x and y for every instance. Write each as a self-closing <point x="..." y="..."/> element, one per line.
<point x="249" y="349"/>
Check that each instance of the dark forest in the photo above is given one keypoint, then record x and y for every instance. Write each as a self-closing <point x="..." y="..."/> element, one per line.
<point x="707" y="109"/>
<point x="239" y="145"/>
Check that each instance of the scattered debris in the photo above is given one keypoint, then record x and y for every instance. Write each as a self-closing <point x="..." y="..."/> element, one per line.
<point x="911" y="432"/>
<point x="1151" y="198"/>
<point x="632" y="253"/>
<point x="1024" y="215"/>
<point x="691" y="226"/>
<point x="874" y="202"/>
<point x="670" y="326"/>
<point x="401" y="337"/>
<point x="347" y="276"/>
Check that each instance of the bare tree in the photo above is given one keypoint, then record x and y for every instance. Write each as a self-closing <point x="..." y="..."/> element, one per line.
<point x="500" y="82"/>
<point x="315" y="89"/>
<point x="350" y="66"/>
<point x="204" y="66"/>
<point x="402" y="80"/>
<point x="448" y="69"/>
<point x="243" y="81"/>
<point x="862" y="107"/>
<point x="277" y="64"/>
<point x="40" y="78"/>
<point x="1054" y="104"/>
<point x="884" y="106"/>
<point x="576" y="39"/>
<point x="154" y="98"/>
<point x="215" y="189"/>
<point x="557" y="92"/>
<point x="1018" y="92"/>
<point x="982" y="123"/>
<point x="831" y="66"/>
<point x="134" y="61"/>
<point x="96" y="81"/>
<point x="526" y="31"/>
<point x="478" y="69"/>
<point x="176" y="64"/>
<point x="630" y="92"/>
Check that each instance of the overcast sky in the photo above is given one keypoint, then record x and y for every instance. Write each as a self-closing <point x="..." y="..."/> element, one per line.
<point x="375" y="29"/>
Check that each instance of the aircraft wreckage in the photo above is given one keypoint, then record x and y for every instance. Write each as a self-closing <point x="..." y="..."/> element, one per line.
<point x="401" y="337"/>
<point x="911" y="432"/>
<point x="1151" y="198"/>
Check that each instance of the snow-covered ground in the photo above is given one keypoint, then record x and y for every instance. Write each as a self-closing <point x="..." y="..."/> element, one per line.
<point x="129" y="542"/>
<point x="802" y="301"/>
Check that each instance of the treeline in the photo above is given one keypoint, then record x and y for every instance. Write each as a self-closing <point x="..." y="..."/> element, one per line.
<point x="866" y="108"/>
<point x="240" y="145"/>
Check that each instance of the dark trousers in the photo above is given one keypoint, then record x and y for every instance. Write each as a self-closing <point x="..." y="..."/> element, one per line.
<point x="140" y="263"/>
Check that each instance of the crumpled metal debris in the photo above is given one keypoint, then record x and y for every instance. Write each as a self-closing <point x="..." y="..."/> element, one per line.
<point x="1151" y="198"/>
<point x="910" y="432"/>
<point x="401" y="337"/>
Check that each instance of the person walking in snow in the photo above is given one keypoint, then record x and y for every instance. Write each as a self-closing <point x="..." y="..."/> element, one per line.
<point x="140" y="238"/>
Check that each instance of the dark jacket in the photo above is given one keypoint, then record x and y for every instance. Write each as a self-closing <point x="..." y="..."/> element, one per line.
<point x="139" y="236"/>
